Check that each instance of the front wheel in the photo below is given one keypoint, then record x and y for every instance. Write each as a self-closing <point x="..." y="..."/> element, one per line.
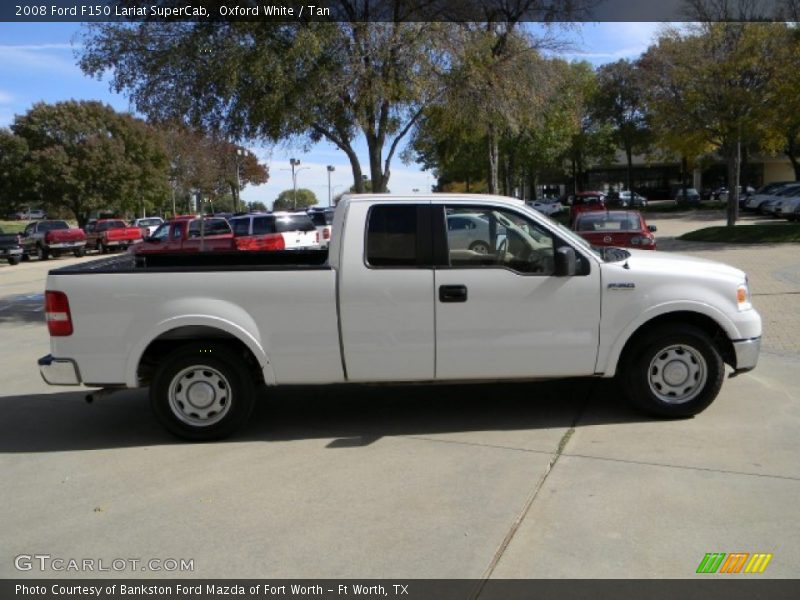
<point x="13" y="260"/>
<point x="202" y="392"/>
<point x="674" y="371"/>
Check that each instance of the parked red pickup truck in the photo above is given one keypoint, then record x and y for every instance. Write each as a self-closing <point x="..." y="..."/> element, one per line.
<point x="189" y="234"/>
<point x="51" y="238"/>
<point x="108" y="234"/>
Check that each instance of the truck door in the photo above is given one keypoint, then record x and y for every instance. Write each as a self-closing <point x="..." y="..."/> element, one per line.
<point x="500" y="310"/>
<point x="386" y="292"/>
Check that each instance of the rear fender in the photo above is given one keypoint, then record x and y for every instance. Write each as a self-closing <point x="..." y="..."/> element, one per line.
<point x="216" y="314"/>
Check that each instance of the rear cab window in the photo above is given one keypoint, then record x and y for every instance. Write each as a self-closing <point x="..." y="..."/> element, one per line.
<point x="399" y="236"/>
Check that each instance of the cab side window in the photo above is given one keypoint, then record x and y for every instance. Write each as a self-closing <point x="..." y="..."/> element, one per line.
<point x="485" y="237"/>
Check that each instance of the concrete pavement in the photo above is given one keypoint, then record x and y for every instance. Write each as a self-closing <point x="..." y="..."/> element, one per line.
<point x="513" y="480"/>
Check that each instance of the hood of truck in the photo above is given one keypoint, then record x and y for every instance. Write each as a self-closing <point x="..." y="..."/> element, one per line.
<point x="668" y="263"/>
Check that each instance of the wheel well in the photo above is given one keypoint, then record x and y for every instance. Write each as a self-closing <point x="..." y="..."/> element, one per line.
<point x="717" y="335"/>
<point x="170" y="340"/>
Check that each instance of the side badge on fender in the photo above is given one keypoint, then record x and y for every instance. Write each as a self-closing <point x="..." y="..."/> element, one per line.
<point x="621" y="286"/>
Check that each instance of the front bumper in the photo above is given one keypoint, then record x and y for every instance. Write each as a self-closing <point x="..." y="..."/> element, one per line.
<point x="59" y="371"/>
<point x="10" y="252"/>
<point x="746" y="352"/>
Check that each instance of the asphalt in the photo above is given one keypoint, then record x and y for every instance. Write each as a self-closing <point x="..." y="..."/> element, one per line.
<point x="485" y="481"/>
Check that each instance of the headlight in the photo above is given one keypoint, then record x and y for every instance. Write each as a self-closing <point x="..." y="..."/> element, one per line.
<point x="743" y="297"/>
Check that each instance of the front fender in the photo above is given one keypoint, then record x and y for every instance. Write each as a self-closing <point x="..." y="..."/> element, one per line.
<point x="609" y="354"/>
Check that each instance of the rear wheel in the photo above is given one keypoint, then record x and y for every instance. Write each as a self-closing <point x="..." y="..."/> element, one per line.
<point x="102" y="247"/>
<point x="41" y="252"/>
<point x="674" y="371"/>
<point x="79" y="252"/>
<point x="202" y="392"/>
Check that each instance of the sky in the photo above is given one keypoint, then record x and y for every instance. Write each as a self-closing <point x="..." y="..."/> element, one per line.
<point x="38" y="64"/>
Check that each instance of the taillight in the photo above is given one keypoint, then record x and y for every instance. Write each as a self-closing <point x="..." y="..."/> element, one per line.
<point x="268" y="242"/>
<point x="643" y="240"/>
<point x="317" y="237"/>
<point x="48" y="237"/>
<point x="56" y="312"/>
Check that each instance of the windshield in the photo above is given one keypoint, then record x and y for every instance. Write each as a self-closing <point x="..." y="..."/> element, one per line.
<point x="606" y="254"/>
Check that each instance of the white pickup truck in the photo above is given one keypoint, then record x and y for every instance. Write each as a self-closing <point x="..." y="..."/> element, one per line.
<point x="404" y="294"/>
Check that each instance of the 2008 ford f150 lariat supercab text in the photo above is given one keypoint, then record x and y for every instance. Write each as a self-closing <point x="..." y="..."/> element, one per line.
<point x="420" y="288"/>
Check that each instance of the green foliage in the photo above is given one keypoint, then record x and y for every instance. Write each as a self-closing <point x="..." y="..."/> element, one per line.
<point x="207" y="165"/>
<point x="746" y="234"/>
<point x="286" y="200"/>
<point x="84" y="156"/>
<point x="709" y="88"/>
<point x="619" y="101"/>
<point x="276" y="81"/>
<point x="257" y="206"/>
<point x="17" y="183"/>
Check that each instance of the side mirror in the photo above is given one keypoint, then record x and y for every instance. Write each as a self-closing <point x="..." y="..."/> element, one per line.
<point x="652" y="228"/>
<point x="565" y="262"/>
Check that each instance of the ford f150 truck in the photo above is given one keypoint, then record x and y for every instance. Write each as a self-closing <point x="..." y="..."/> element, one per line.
<point x="395" y="301"/>
<point x="107" y="234"/>
<point x="51" y="238"/>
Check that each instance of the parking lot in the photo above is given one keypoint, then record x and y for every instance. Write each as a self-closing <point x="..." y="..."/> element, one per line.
<point x="492" y="480"/>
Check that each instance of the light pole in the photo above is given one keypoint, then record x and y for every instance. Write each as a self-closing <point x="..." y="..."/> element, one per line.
<point x="331" y="169"/>
<point x="240" y="152"/>
<point x="294" y="162"/>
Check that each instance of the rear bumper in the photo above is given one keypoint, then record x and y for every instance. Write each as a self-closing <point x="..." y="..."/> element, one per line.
<point x="66" y="245"/>
<point x="59" y="371"/>
<point x="746" y="352"/>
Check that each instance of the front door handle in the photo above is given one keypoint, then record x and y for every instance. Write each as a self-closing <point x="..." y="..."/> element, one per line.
<point x="452" y="293"/>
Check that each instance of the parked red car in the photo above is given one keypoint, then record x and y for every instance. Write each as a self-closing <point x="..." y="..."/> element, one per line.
<point x="108" y="234"/>
<point x="188" y="234"/>
<point x="620" y="228"/>
<point x="586" y="201"/>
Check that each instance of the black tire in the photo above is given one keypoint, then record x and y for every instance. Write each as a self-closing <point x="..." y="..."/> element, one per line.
<point x="102" y="247"/>
<point x="673" y="371"/>
<point x="480" y="247"/>
<point x="79" y="252"/>
<point x="223" y="403"/>
<point x="41" y="253"/>
<point x="56" y="253"/>
<point x="13" y="260"/>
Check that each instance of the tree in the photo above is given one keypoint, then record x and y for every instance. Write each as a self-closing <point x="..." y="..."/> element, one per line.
<point x="708" y="89"/>
<point x="84" y="156"/>
<point x="619" y="101"/>
<point x="287" y="200"/>
<point x="783" y="128"/>
<point x="591" y="141"/>
<point x="304" y="80"/>
<point x="256" y="206"/>
<point x="17" y="183"/>
<point x="369" y="71"/>
<point x="207" y="165"/>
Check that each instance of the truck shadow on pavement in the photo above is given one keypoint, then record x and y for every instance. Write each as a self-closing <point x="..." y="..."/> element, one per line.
<point x="348" y="416"/>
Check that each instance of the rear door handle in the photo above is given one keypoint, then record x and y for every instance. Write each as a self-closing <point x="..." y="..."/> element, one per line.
<point x="452" y="293"/>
